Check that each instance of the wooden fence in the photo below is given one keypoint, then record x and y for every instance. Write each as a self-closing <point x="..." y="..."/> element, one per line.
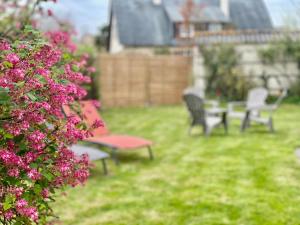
<point x="139" y="80"/>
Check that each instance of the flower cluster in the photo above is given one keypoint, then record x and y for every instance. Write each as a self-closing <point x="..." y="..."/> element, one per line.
<point x="36" y="78"/>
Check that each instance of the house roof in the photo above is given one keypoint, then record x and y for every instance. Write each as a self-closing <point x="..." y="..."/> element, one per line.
<point x="250" y="14"/>
<point x="244" y="14"/>
<point x="206" y="14"/>
<point x="141" y="23"/>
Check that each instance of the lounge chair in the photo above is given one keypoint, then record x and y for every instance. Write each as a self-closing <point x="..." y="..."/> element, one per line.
<point x="199" y="116"/>
<point x="103" y="137"/>
<point x="94" y="154"/>
<point x="264" y="120"/>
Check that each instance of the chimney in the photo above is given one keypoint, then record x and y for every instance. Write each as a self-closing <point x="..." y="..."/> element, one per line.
<point x="224" y="5"/>
<point x="156" y="2"/>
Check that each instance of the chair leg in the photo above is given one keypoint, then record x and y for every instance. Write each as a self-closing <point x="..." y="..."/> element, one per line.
<point x="225" y="127"/>
<point x="105" y="171"/>
<point x="151" y="156"/>
<point x="225" y="122"/>
<point x="271" y="125"/>
<point x="115" y="157"/>
<point x="245" y="122"/>
<point x="207" y="131"/>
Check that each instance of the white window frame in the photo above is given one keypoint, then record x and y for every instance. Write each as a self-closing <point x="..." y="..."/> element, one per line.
<point x="184" y="32"/>
<point x="215" y="27"/>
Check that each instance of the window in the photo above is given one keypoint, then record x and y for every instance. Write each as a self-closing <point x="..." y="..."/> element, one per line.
<point x="214" y="27"/>
<point x="185" y="31"/>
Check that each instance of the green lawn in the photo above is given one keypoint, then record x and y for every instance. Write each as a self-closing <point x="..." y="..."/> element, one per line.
<point x="246" y="179"/>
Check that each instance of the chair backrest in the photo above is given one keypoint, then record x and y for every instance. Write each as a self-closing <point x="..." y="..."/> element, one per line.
<point x="195" y="91"/>
<point x="257" y="97"/>
<point x="90" y="115"/>
<point x="195" y="106"/>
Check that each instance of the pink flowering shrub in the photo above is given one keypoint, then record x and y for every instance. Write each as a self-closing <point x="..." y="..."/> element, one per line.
<point x="39" y="74"/>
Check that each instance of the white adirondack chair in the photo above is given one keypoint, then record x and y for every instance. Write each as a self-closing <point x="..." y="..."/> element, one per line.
<point x="256" y="103"/>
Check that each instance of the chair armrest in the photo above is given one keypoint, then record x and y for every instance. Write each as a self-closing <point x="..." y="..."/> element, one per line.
<point x="263" y="108"/>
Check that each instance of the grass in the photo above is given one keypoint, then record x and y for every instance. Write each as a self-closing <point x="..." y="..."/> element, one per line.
<point x="245" y="179"/>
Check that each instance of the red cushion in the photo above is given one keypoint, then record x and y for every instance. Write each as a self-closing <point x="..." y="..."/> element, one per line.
<point x="121" y="141"/>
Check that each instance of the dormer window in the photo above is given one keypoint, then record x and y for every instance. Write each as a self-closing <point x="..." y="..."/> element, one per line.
<point x="215" y="27"/>
<point x="186" y="31"/>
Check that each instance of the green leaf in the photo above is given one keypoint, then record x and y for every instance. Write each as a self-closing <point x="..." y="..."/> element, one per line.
<point x="32" y="96"/>
<point x="8" y="136"/>
<point x="6" y="205"/>
<point x="75" y="68"/>
<point x="7" y="64"/>
<point x="20" y="84"/>
<point x="4" y="97"/>
<point x="37" y="189"/>
<point x="9" y="199"/>
<point x="66" y="56"/>
<point x="48" y="176"/>
<point x="42" y="79"/>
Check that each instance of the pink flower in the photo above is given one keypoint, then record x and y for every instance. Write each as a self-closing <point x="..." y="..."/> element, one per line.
<point x="21" y="203"/>
<point x="42" y="71"/>
<point x="32" y="213"/>
<point x="14" y="172"/>
<point x="45" y="193"/>
<point x="91" y="69"/>
<point x="96" y="103"/>
<point x="4" y="45"/>
<point x="97" y="124"/>
<point x="12" y="58"/>
<point x="16" y="74"/>
<point x="34" y="174"/>
<point x="18" y="191"/>
<point x="36" y="137"/>
<point x="9" y="214"/>
<point x="50" y="13"/>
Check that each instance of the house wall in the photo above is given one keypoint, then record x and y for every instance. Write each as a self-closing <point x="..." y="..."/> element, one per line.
<point x="115" y="44"/>
<point x="281" y="76"/>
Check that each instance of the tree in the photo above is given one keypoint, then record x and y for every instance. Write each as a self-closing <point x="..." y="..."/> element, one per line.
<point x="189" y="10"/>
<point x="102" y="39"/>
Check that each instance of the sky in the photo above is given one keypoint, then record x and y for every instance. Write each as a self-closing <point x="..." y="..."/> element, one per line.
<point x="89" y="15"/>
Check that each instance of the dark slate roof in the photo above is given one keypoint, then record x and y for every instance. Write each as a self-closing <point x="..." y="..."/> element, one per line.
<point x="244" y="14"/>
<point x="141" y="23"/>
<point x="207" y="14"/>
<point x="250" y="14"/>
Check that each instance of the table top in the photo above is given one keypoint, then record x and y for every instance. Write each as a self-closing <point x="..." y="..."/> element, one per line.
<point x="217" y="110"/>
